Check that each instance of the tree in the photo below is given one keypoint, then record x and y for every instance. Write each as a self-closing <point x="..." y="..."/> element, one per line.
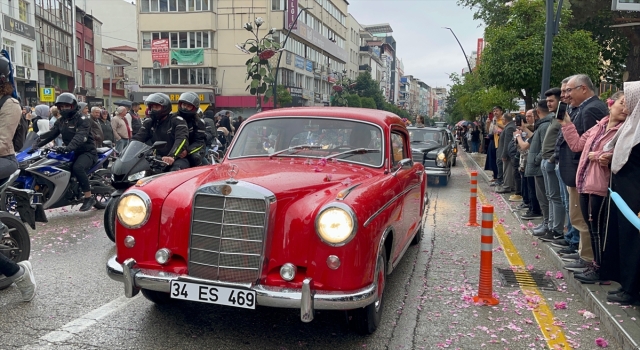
<point x="366" y="86"/>
<point x="469" y="97"/>
<point x="512" y="60"/>
<point x="284" y="96"/>
<point x="368" y="102"/>
<point x="259" y="72"/>
<point x="353" y="100"/>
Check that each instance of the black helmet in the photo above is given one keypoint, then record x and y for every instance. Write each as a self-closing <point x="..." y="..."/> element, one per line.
<point x="70" y="99"/>
<point x="161" y="99"/>
<point x="192" y="99"/>
<point x="5" y="69"/>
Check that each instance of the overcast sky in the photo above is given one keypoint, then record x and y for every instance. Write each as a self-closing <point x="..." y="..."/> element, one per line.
<point x="429" y="52"/>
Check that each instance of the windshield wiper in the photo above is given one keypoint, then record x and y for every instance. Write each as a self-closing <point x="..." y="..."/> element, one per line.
<point x="298" y="147"/>
<point x="354" y="152"/>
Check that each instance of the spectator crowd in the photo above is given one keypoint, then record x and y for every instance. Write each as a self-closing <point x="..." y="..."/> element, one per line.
<point x="558" y="162"/>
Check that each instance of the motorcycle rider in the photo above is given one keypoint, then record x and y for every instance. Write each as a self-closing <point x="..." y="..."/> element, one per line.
<point x="76" y="136"/>
<point x="161" y="125"/>
<point x="188" y="105"/>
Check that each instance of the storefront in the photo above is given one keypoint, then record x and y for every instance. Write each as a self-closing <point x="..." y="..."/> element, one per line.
<point x="26" y="81"/>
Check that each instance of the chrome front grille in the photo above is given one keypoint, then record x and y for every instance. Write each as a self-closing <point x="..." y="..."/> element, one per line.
<point x="417" y="157"/>
<point x="227" y="238"/>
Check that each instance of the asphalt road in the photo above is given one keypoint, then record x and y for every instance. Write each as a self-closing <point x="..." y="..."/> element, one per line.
<point x="428" y="298"/>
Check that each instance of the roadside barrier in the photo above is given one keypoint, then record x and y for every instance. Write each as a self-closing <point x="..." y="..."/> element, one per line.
<point x="485" y="284"/>
<point x="473" y="202"/>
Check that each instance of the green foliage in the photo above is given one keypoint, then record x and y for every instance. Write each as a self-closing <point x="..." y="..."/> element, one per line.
<point x="368" y="102"/>
<point x="353" y="100"/>
<point x="395" y="110"/>
<point x="366" y="86"/>
<point x="469" y="97"/>
<point x="284" y="96"/>
<point x="512" y="60"/>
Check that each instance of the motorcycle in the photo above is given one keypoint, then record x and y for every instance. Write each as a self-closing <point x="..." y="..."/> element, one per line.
<point x="15" y="243"/>
<point x="136" y="162"/>
<point x="45" y="178"/>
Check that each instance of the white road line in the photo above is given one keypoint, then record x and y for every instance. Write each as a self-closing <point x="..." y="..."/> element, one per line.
<point x="81" y="323"/>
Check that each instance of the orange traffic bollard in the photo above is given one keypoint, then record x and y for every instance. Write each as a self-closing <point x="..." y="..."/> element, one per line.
<point x="485" y="285"/>
<point x="473" y="203"/>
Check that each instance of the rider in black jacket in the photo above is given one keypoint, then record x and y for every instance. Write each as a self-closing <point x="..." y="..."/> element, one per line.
<point x="161" y="125"/>
<point x="76" y="137"/>
<point x="188" y="105"/>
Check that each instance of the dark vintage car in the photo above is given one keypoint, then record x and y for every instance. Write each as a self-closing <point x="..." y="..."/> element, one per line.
<point x="311" y="209"/>
<point x="454" y="146"/>
<point x="433" y="148"/>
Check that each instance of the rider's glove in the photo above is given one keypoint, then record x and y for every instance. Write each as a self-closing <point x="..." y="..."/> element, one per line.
<point x="61" y="149"/>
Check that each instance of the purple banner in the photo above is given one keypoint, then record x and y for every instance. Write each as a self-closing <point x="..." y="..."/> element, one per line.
<point x="292" y="14"/>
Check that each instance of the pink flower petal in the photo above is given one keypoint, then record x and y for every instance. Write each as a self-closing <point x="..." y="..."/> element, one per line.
<point x="601" y="342"/>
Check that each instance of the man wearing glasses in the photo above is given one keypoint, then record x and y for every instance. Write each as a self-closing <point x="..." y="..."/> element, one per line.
<point x="587" y="111"/>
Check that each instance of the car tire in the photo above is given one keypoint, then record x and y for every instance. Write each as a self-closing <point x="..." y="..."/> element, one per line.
<point x="418" y="237"/>
<point x="367" y="319"/>
<point x="444" y="180"/>
<point x="110" y="219"/>
<point x="156" y="297"/>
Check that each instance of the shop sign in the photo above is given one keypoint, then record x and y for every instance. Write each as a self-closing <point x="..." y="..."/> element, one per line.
<point x="309" y="66"/>
<point x="299" y="62"/>
<point x="47" y="95"/>
<point x="17" y="27"/>
<point x="23" y="72"/>
<point x="187" y="57"/>
<point x="160" y="53"/>
<point x="295" y="91"/>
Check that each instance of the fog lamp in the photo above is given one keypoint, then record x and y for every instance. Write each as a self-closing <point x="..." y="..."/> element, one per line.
<point x="288" y="272"/>
<point x="333" y="262"/>
<point x="129" y="241"/>
<point x="163" y="255"/>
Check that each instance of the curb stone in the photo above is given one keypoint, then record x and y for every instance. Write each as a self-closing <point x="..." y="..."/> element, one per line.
<point x="623" y="323"/>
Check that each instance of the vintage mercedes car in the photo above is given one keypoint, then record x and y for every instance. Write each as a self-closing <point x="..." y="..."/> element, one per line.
<point x="433" y="148"/>
<point x="311" y="208"/>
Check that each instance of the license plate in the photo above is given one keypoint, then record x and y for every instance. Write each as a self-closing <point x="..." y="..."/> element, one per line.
<point x="213" y="294"/>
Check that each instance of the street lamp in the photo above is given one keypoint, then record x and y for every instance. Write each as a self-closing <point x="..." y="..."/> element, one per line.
<point x="461" y="48"/>
<point x="551" y="29"/>
<point x="275" y="80"/>
<point x="110" y="68"/>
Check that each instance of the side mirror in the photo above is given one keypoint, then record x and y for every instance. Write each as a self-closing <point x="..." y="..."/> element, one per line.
<point x="405" y="163"/>
<point x="107" y="143"/>
<point x="158" y="144"/>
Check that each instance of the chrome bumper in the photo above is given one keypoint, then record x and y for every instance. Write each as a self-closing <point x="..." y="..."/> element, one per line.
<point x="306" y="299"/>
<point x="437" y="171"/>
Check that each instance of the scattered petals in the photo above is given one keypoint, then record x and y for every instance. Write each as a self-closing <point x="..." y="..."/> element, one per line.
<point x="559" y="275"/>
<point x="560" y="305"/>
<point x="601" y="342"/>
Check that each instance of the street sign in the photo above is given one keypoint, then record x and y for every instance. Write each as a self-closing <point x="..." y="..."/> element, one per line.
<point x="47" y="95"/>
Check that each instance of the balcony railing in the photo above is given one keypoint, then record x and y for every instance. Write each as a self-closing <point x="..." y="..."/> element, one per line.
<point x="364" y="67"/>
<point x="365" y="49"/>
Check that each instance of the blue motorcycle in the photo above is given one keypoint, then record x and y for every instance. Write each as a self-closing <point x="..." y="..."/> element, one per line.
<point x="45" y="175"/>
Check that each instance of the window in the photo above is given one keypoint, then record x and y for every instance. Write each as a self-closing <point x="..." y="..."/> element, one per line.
<point x="54" y="45"/>
<point x="180" y="40"/>
<point x="88" y="79"/>
<point x="277" y="5"/>
<point x="78" y="52"/>
<point x="177" y="76"/>
<point x="23" y="11"/>
<point x="10" y="46"/>
<point x="12" y="11"/>
<point x="79" y="78"/>
<point x="397" y="147"/>
<point x="98" y="56"/>
<point x="147" y="6"/>
<point x="26" y="56"/>
<point x="88" y="51"/>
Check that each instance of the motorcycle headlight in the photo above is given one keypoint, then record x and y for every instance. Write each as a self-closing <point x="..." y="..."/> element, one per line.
<point x="133" y="209"/>
<point x="137" y="176"/>
<point x="336" y="224"/>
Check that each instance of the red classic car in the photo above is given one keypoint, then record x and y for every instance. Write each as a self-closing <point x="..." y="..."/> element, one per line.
<point x="310" y="208"/>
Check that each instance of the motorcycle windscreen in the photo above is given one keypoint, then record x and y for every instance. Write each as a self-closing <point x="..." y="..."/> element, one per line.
<point x="128" y="161"/>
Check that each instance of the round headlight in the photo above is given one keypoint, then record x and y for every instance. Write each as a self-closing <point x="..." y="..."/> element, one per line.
<point x="440" y="156"/>
<point x="336" y="224"/>
<point x="288" y="272"/>
<point x="163" y="255"/>
<point x="133" y="209"/>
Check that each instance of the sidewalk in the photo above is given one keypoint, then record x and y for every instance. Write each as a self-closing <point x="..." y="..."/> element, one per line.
<point x="622" y="322"/>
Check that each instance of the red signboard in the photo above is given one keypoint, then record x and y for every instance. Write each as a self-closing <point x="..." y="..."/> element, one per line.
<point x="292" y="14"/>
<point x="479" y="50"/>
<point x="160" y="53"/>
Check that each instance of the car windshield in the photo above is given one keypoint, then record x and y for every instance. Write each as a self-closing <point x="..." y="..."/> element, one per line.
<point x="314" y="137"/>
<point x="426" y="135"/>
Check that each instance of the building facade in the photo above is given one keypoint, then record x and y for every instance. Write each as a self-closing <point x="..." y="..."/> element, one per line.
<point x="85" y="78"/>
<point x="19" y="39"/>
<point x="55" y="32"/>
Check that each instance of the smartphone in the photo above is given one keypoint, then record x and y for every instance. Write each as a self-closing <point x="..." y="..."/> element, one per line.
<point x="519" y="120"/>
<point x="561" y="111"/>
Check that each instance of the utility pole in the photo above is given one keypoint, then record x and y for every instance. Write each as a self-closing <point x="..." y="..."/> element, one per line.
<point x="461" y="48"/>
<point x="552" y="27"/>
<point x="110" y="67"/>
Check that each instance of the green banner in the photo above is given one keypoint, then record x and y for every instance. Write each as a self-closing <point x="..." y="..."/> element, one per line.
<point x="187" y="57"/>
